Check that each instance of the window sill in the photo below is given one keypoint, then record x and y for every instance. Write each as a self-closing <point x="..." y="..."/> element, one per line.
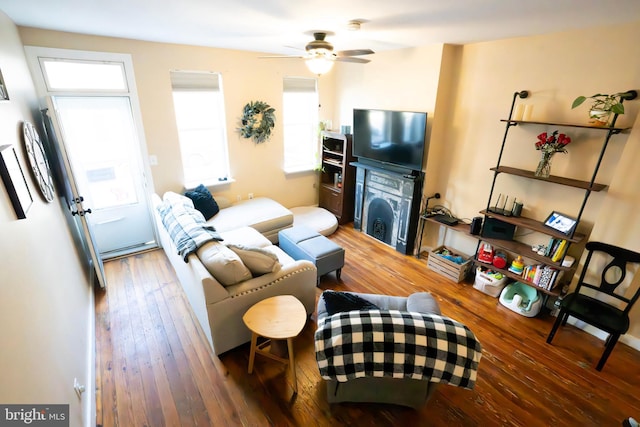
<point x="301" y="170"/>
<point x="211" y="183"/>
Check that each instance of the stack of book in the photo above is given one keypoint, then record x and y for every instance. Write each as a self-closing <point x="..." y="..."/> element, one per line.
<point x="556" y="249"/>
<point x="541" y="275"/>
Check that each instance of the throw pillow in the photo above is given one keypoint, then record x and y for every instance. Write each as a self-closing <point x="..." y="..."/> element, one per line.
<point x="177" y="200"/>
<point x="422" y="302"/>
<point x="257" y="260"/>
<point x="203" y="201"/>
<point x="337" y="302"/>
<point x="223" y="263"/>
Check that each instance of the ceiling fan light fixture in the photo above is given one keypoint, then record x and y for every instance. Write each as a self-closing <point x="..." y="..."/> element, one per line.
<point x="319" y="64"/>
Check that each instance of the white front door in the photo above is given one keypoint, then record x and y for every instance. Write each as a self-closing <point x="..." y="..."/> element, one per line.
<point x="94" y="109"/>
<point x="68" y="194"/>
<point x="100" y="138"/>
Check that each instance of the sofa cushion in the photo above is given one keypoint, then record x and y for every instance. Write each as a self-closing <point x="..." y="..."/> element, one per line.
<point x="223" y="264"/>
<point x="246" y="236"/>
<point x="261" y="213"/>
<point x="259" y="261"/>
<point x="280" y="254"/>
<point x="203" y="201"/>
<point x="337" y="302"/>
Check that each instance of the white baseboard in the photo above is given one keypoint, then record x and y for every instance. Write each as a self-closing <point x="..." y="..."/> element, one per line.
<point x="630" y="340"/>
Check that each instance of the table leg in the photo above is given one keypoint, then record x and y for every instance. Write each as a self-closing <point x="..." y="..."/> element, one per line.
<point x="292" y="365"/>
<point x="252" y="353"/>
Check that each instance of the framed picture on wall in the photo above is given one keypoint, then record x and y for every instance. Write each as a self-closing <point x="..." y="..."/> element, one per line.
<point x="4" y="94"/>
<point x="14" y="181"/>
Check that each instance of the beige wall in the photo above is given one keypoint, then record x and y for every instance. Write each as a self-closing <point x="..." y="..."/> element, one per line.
<point x="256" y="168"/>
<point x="555" y="68"/>
<point x="45" y="300"/>
<point x="404" y="79"/>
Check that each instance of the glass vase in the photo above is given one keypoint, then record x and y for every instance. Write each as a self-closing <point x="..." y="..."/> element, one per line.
<point x="599" y="118"/>
<point x="544" y="166"/>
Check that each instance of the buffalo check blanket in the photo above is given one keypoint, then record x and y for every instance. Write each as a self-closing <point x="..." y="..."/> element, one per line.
<point x="398" y="344"/>
<point x="187" y="227"/>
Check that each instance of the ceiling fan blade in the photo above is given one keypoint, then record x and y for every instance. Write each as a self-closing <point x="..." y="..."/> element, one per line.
<point x="282" y="56"/>
<point x="354" y="52"/>
<point x="352" y="59"/>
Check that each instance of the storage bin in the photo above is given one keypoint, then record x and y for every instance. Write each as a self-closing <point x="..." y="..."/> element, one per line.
<point x="489" y="281"/>
<point x="452" y="270"/>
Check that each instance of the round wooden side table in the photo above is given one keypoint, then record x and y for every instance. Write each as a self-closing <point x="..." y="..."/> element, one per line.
<point x="277" y="318"/>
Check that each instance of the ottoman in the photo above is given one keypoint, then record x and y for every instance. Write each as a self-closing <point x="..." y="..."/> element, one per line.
<point x="301" y="242"/>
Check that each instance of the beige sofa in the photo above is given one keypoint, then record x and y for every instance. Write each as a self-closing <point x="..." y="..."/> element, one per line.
<point x="219" y="309"/>
<point x="262" y="214"/>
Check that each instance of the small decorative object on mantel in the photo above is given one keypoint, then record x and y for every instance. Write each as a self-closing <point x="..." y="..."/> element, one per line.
<point x="549" y="145"/>
<point x="258" y="119"/>
<point x="604" y="106"/>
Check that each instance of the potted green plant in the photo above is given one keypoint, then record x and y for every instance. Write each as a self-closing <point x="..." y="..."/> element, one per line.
<point x="603" y="106"/>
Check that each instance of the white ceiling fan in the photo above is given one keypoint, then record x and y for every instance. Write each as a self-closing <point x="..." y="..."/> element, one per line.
<point x="320" y="56"/>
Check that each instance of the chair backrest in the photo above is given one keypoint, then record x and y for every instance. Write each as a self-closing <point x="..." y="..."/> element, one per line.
<point x="610" y="279"/>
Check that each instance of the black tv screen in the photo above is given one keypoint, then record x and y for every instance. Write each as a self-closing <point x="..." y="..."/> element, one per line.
<point x="390" y="137"/>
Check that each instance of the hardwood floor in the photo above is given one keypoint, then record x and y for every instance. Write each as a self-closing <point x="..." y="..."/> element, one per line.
<point x="155" y="368"/>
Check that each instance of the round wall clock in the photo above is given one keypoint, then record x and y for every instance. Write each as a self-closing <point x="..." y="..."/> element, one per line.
<point x="38" y="160"/>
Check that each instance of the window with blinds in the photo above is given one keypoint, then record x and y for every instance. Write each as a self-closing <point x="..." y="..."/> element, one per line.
<point x="199" y="108"/>
<point x="300" y="123"/>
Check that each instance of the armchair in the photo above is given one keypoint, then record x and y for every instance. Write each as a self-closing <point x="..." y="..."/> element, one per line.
<point x="395" y="354"/>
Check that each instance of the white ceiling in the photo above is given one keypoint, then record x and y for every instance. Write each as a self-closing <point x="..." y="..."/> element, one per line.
<point x="275" y="26"/>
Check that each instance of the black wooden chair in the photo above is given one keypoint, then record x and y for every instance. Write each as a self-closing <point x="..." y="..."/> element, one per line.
<point x="610" y="312"/>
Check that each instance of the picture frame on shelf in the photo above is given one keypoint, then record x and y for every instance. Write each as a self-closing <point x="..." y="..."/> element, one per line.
<point x="14" y="181"/>
<point x="561" y="222"/>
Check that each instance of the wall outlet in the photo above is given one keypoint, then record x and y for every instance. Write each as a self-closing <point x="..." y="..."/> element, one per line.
<point x="153" y="160"/>
<point x="238" y="197"/>
<point x="250" y="195"/>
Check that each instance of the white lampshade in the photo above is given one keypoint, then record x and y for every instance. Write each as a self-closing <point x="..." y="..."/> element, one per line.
<point x="319" y="64"/>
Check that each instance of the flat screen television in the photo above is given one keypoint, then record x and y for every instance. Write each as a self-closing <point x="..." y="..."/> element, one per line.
<point x="394" y="138"/>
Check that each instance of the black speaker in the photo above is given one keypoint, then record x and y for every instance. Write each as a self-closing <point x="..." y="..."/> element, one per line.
<point x="476" y="225"/>
<point x="496" y="229"/>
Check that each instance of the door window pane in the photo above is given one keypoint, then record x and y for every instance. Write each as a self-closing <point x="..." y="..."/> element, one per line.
<point x="100" y="135"/>
<point x="84" y="76"/>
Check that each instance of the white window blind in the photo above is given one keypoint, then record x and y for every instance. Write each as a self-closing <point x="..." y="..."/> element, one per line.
<point x="300" y="123"/>
<point x="199" y="108"/>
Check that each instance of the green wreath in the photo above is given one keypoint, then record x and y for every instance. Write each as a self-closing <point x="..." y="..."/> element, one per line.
<point x="258" y="119"/>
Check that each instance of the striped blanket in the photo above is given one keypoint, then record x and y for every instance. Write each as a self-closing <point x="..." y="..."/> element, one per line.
<point x="187" y="227"/>
<point x="398" y="344"/>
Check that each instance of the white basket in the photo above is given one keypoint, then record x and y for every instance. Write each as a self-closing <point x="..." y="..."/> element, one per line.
<point x="487" y="284"/>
